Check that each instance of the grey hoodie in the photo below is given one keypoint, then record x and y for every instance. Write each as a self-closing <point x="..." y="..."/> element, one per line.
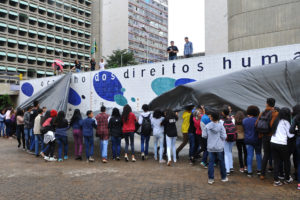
<point x="216" y="135"/>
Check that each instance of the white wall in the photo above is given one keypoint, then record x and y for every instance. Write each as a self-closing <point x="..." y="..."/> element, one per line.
<point x="216" y="27"/>
<point x="137" y="85"/>
<point x="114" y="26"/>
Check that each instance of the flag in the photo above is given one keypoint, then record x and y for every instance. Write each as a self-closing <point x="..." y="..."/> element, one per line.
<point x="94" y="48"/>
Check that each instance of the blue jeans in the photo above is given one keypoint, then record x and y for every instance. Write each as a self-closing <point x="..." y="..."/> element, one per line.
<point x="8" y="128"/>
<point x="2" y="129"/>
<point x="78" y="70"/>
<point x="62" y="141"/>
<point x="160" y="139"/>
<point x="250" y="154"/>
<point x="38" y="139"/>
<point x="172" y="57"/>
<point x="89" y="146"/>
<point x="192" y="144"/>
<point x="127" y="137"/>
<point x="228" y="155"/>
<point x="116" y="146"/>
<point x="28" y="133"/>
<point x="212" y="159"/>
<point x="103" y="148"/>
<point x="32" y="145"/>
<point x="298" y="156"/>
<point x="145" y="144"/>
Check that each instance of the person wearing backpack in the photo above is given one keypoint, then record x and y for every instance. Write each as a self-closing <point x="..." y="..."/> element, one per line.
<point x="146" y="130"/>
<point x="231" y="136"/>
<point x="115" y="132"/>
<point x="264" y="126"/>
<point x="215" y="133"/>
<point x="102" y="132"/>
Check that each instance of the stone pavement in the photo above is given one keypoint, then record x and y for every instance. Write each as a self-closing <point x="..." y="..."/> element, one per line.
<point x="23" y="176"/>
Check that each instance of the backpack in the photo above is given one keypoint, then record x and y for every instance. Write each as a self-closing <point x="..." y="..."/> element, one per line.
<point x="263" y="123"/>
<point x="230" y="130"/>
<point x="146" y="128"/>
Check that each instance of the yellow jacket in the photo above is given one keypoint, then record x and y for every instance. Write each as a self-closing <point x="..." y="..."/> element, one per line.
<point x="186" y="122"/>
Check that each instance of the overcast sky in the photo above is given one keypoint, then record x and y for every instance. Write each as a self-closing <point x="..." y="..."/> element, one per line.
<point x="186" y="18"/>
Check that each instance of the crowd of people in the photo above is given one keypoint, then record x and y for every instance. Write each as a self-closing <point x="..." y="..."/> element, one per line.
<point x="211" y="135"/>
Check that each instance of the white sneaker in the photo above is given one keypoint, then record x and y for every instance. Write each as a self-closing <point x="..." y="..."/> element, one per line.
<point x="46" y="158"/>
<point x="52" y="159"/>
<point x="162" y="161"/>
<point x="225" y="180"/>
<point x="210" y="181"/>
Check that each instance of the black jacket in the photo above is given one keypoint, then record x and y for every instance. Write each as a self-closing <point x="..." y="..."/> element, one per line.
<point x="170" y="126"/>
<point x="192" y="128"/>
<point x="295" y="127"/>
<point x="115" y="126"/>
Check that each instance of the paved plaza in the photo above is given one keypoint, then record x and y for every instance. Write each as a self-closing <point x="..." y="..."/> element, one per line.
<point x="23" y="176"/>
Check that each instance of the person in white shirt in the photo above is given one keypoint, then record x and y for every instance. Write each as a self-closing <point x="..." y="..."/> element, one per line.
<point x="102" y="64"/>
<point x="158" y="134"/>
<point x="279" y="145"/>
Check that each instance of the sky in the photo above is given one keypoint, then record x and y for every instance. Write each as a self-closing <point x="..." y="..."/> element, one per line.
<point x="186" y="18"/>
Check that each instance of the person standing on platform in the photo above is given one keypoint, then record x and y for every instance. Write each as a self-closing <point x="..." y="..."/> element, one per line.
<point x="188" y="48"/>
<point x="172" y="50"/>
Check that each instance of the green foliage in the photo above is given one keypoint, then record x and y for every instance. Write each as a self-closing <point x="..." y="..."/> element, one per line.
<point x="120" y="58"/>
<point x="5" y="101"/>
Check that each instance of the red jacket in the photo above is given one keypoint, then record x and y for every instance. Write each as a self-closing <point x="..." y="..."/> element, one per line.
<point x="129" y="126"/>
<point x="197" y="126"/>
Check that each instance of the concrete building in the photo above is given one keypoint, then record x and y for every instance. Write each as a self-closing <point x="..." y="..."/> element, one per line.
<point x="141" y="26"/>
<point x="35" y="32"/>
<point x="216" y="27"/>
<point x="236" y="25"/>
<point x="262" y="23"/>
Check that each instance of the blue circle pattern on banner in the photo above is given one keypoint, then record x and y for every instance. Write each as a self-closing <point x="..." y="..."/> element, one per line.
<point x="107" y="86"/>
<point x="74" y="97"/>
<point x="27" y="89"/>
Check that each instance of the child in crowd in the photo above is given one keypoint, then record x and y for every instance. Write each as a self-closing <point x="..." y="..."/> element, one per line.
<point x="38" y="137"/>
<point x="20" y="128"/>
<point x="115" y="132"/>
<point x="216" y="135"/>
<point x="146" y="130"/>
<point x="198" y="132"/>
<point x="61" y="127"/>
<point x="279" y="145"/>
<point x="102" y="132"/>
<point x="128" y="120"/>
<point x="27" y="127"/>
<point x="230" y="140"/>
<point x="2" y="123"/>
<point x="251" y="140"/>
<point x="204" y="121"/>
<point x="7" y="121"/>
<point x="240" y="144"/>
<point x="169" y="124"/>
<point x="88" y="124"/>
<point x="49" y="137"/>
<point x="13" y="123"/>
<point x="75" y="123"/>
<point x="158" y="134"/>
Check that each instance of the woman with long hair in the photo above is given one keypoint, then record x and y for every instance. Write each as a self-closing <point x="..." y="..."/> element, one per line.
<point x="115" y="132"/>
<point x="20" y="128"/>
<point x="279" y="141"/>
<point x="240" y="143"/>
<point x="169" y="124"/>
<point x="75" y="123"/>
<point x="128" y="120"/>
<point x="61" y="127"/>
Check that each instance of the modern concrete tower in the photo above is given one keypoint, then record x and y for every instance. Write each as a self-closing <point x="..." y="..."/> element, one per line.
<point x="262" y="23"/>
<point x="141" y="26"/>
<point x="35" y="32"/>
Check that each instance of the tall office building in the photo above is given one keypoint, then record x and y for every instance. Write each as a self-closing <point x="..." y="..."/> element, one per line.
<point x="141" y="26"/>
<point x="35" y="32"/>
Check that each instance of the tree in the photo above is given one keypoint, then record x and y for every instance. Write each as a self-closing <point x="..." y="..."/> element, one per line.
<point x="120" y="58"/>
<point x="5" y="101"/>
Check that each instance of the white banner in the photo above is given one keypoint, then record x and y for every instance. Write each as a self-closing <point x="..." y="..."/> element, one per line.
<point x="137" y="85"/>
